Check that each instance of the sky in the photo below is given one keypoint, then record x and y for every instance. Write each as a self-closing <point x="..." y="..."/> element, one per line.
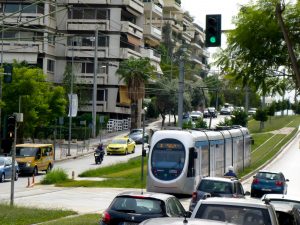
<point x="227" y="8"/>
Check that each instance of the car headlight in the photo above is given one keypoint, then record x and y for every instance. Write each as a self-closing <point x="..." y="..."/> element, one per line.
<point x="28" y="164"/>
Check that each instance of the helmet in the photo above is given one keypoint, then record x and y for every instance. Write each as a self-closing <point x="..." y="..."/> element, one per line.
<point x="230" y="168"/>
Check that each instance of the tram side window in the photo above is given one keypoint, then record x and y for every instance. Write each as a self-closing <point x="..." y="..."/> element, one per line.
<point x="191" y="166"/>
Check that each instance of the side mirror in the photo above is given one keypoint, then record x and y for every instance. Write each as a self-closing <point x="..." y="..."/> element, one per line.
<point x="188" y="214"/>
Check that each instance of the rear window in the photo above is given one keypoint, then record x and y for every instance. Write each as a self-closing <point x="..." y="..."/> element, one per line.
<point x="234" y="214"/>
<point x="138" y="205"/>
<point x="212" y="186"/>
<point x="268" y="176"/>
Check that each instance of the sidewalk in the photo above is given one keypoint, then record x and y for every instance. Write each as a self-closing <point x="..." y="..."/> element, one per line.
<point x="81" y="148"/>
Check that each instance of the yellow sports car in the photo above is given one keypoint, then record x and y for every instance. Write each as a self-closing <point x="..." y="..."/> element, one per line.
<point x="121" y="145"/>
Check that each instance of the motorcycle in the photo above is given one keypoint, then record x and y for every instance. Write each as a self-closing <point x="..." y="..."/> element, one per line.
<point x="98" y="157"/>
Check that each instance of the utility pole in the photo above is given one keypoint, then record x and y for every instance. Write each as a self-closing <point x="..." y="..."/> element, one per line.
<point x="71" y="102"/>
<point x="180" y="92"/>
<point x="95" y="85"/>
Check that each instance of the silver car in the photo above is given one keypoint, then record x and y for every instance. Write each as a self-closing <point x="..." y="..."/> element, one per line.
<point x="236" y="211"/>
<point x="180" y="221"/>
<point x="6" y="168"/>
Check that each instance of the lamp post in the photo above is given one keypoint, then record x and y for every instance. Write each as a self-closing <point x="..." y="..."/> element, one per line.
<point x="94" y="115"/>
<point x="143" y="150"/>
<point x="71" y="102"/>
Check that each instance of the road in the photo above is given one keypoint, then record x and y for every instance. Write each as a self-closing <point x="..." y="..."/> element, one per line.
<point x="87" y="200"/>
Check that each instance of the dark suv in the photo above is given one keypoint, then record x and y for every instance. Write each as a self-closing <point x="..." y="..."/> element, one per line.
<point x="217" y="187"/>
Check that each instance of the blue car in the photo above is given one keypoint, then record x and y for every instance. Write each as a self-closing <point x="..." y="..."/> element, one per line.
<point x="265" y="182"/>
<point x="6" y="168"/>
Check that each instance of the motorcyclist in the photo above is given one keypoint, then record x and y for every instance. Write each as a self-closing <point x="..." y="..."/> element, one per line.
<point x="100" y="151"/>
<point x="230" y="172"/>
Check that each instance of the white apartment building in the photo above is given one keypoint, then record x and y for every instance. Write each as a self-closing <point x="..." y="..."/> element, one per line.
<point x="54" y="34"/>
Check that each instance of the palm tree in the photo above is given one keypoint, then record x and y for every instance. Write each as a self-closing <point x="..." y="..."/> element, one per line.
<point x="136" y="73"/>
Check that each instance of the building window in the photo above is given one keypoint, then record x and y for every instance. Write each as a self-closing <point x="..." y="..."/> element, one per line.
<point x="27" y="8"/>
<point x="89" y="13"/>
<point x="50" y="65"/>
<point x="102" y="95"/>
<point x="11" y="8"/>
<point x="87" y="67"/>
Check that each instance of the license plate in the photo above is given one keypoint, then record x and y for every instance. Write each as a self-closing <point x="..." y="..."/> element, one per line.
<point x="266" y="189"/>
<point x="129" y="223"/>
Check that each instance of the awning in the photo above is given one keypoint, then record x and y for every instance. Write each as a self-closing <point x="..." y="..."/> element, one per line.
<point x="124" y="99"/>
<point x="29" y="58"/>
<point x="133" y="40"/>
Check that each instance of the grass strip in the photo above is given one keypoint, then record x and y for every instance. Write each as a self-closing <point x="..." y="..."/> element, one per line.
<point x="18" y="215"/>
<point x="86" y="219"/>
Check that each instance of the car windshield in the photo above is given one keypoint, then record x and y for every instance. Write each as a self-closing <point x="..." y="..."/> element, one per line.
<point x="137" y="205"/>
<point x="234" y="214"/>
<point x="136" y="131"/>
<point x="25" y="151"/>
<point x="212" y="186"/>
<point x="118" y="141"/>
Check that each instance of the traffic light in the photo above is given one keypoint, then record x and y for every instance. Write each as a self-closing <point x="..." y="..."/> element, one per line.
<point x="213" y="30"/>
<point x="8" y="73"/>
<point x="11" y="123"/>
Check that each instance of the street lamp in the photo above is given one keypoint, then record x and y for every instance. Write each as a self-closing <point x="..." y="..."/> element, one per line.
<point x="143" y="150"/>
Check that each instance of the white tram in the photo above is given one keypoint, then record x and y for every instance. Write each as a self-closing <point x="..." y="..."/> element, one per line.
<point x="179" y="158"/>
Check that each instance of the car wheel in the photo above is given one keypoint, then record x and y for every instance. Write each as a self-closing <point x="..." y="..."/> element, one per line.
<point x="16" y="176"/>
<point x="49" y="168"/>
<point x="35" y="171"/>
<point x="253" y="194"/>
<point x="2" y="178"/>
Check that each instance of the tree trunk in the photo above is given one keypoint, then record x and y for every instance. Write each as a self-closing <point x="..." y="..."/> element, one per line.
<point x="175" y="121"/>
<point x="163" y="120"/>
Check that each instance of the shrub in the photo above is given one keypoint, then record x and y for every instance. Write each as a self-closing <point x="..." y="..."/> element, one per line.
<point x="55" y="176"/>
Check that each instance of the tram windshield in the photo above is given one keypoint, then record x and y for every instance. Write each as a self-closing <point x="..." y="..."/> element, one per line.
<point x="167" y="159"/>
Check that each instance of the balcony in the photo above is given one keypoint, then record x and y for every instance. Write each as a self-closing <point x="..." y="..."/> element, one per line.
<point x="126" y="53"/>
<point x="26" y="19"/>
<point x="84" y="24"/>
<point x="88" y="78"/>
<point x="101" y="106"/>
<point x="100" y="2"/>
<point x="86" y="51"/>
<point x="152" y="32"/>
<point x="150" y="7"/>
<point x="172" y="5"/>
<point x="151" y="54"/>
<point x="132" y="29"/>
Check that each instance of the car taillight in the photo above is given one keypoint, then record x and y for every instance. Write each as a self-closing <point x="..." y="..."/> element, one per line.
<point x="255" y="181"/>
<point x="279" y="183"/>
<point x="106" y="217"/>
<point x="194" y="196"/>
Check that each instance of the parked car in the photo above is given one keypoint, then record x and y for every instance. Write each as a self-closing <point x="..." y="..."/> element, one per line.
<point x="6" y="168"/>
<point x="123" y="145"/>
<point x="252" y="111"/>
<point x="134" y="207"/>
<point x="225" y="111"/>
<point x="210" y="111"/>
<point x="285" y="207"/>
<point x="268" y="182"/>
<point x="187" y="120"/>
<point x="217" y="187"/>
<point x="137" y="136"/>
<point x="195" y="115"/>
<point x="180" y="221"/>
<point x="236" y="210"/>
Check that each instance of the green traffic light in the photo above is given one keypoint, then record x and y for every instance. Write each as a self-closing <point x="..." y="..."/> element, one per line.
<point x="212" y="39"/>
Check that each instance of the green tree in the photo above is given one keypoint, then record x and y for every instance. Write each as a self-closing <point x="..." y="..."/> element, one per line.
<point x="262" y="116"/>
<point x="41" y="101"/>
<point x="239" y="117"/>
<point x="136" y="73"/>
<point x="256" y="49"/>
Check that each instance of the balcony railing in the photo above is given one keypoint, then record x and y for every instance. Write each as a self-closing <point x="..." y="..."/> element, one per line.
<point x="151" y="54"/>
<point x="131" y="28"/>
<point x="84" y="24"/>
<point x="152" y="31"/>
<point x="152" y="7"/>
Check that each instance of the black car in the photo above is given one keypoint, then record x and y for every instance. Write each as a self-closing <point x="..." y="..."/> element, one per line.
<point x="134" y="207"/>
<point x="137" y="136"/>
<point x="217" y="187"/>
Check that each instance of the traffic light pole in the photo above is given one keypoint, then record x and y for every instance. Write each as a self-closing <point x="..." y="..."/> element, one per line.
<point x="12" y="190"/>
